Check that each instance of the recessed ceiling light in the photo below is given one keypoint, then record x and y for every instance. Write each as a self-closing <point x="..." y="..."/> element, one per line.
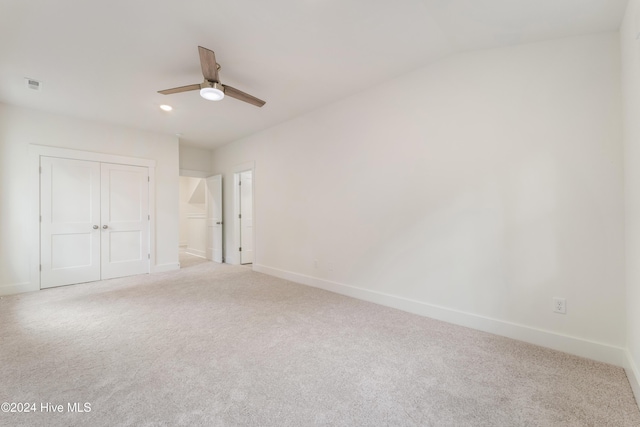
<point x="165" y="107"/>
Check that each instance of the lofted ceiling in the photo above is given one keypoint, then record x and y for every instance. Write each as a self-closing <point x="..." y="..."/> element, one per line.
<point x="106" y="60"/>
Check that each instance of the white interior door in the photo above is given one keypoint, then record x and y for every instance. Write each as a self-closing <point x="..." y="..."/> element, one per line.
<point x="214" y="218"/>
<point x="125" y="220"/>
<point x="70" y="219"/>
<point x="246" y="217"/>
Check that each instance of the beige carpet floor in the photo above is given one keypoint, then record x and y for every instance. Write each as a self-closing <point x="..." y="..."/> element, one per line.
<point x="187" y="260"/>
<point x="220" y="345"/>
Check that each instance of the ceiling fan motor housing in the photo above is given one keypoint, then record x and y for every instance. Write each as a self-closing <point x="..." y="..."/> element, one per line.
<point x="215" y="85"/>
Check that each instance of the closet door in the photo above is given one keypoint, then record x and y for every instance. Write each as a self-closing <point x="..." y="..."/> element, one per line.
<point x="125" y="220"/>
<point x="70" y="219"/>
<point x="246" y="217"/>
<point x="213" y="202"/>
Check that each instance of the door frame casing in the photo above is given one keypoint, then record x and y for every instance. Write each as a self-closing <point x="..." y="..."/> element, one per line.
<point x="38" y="151"/>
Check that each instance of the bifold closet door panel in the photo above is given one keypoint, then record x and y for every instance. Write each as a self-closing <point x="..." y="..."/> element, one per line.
<point x="125" y="220"/>
<point x="70" y="220"/>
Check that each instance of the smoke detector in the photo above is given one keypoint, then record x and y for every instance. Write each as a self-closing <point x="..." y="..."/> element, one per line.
<point x="33" y="83"/>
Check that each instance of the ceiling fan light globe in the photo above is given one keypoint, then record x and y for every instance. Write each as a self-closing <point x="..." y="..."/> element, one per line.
<point x="211" y="94"/>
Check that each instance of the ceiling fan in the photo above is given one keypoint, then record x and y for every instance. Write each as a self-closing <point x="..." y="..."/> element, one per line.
<point x="211" y="88"/>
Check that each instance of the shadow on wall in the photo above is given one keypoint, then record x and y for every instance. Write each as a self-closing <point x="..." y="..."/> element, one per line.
<point x="491" y="242"/>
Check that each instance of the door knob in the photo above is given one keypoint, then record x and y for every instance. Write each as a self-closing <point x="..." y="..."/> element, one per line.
<point x="105" y="226"/>
<point x="219" y="222"/>
<point x="95" y="227"/>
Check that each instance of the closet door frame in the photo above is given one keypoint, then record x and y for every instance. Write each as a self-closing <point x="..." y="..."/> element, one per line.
<point x="33" y="234"/>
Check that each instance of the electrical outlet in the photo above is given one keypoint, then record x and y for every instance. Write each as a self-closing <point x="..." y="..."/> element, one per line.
<point x="560" y="305"/>
<point x="315" y="263"/>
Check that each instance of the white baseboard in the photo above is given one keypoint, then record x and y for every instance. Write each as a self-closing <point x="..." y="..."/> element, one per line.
<point x="196" y="252"/>
<point x="633" y="373"/>
<point x="17" y="288"/>
<point x="161" y="268"/>
<point x="577" y="346"/>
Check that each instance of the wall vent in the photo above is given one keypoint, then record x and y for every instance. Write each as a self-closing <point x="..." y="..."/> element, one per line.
<point x="33" y="84"/>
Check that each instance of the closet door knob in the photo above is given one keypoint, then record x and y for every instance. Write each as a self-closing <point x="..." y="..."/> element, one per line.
<point x="95" y="227"/>
<point x="105" y="226"/>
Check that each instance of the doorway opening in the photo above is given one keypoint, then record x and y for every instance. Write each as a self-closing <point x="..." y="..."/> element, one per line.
<point x="200" y="233"/>
<point x="193" y="218"/>
<point x="244" y="215"/>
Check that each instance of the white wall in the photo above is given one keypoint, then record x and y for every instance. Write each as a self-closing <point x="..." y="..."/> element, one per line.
<point x="194" y="159"/>
<point x="20" y="127"/>
<point x="474" y="190"/>
<point x="631" y="131"/>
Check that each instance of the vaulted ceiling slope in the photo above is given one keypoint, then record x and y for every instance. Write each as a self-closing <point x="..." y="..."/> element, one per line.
<point x="106" y="60"/>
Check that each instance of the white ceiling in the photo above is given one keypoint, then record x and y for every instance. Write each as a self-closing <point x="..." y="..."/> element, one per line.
<point x="106" y="60"/>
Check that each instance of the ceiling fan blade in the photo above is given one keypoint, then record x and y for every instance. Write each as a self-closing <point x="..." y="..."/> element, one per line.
<point x="238" y="94"/>
<point x="208" y="64"/>
<point x="179" y="89"/>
